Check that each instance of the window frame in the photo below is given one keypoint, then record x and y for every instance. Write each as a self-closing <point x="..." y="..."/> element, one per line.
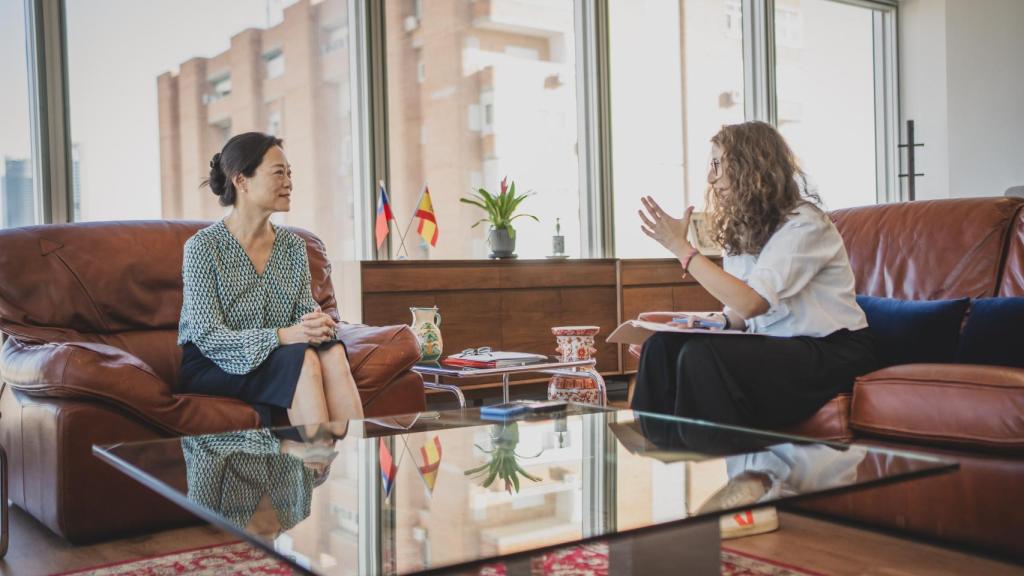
<point x="46" y="41"/>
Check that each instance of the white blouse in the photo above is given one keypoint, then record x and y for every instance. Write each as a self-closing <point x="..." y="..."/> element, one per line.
<point x="804" y="274"/>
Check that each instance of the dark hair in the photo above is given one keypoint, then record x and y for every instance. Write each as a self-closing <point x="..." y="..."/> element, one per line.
<point x="243" y="154"/>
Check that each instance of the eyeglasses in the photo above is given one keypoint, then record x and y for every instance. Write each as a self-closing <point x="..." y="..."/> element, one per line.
<point x="482" y="351"/>
<point x="715" y="166"/>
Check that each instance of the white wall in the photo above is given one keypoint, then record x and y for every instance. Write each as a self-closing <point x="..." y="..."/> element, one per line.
<point x="962" y="82"/>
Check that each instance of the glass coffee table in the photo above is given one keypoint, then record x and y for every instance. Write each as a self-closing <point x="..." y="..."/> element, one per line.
<point x="571" y="369"/>
<point x="449" y="492"/>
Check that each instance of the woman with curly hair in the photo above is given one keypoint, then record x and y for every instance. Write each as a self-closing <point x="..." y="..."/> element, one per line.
<point x="786" y="277"/>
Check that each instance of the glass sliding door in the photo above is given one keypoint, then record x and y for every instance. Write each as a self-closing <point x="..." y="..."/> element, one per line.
<point x="19" y="194"/>
<point x="825" y="85"/>
<point x="676" y="78"/>
<point x="478" y="91"/>
<point x="156" y="91"/>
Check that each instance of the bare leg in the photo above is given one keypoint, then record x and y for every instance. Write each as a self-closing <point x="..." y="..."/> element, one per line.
<point x="343" y="402"/>
<point x="309" y="405"/>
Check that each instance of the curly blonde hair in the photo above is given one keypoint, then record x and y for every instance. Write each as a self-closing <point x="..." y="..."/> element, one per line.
<point x="763" y="189"/>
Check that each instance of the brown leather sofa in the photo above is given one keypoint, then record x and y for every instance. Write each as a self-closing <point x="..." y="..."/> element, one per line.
<point x="934" y="250"/>
<point x="90" y="314"/>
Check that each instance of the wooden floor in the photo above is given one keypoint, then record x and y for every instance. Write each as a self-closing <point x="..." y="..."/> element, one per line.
<point x="805" y="542"/>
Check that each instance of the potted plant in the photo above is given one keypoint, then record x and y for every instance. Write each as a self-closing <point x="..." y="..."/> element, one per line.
<point x="501" y="211"/>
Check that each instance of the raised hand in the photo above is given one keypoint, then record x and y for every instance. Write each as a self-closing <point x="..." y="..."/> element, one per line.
<point x="668" y="231"/>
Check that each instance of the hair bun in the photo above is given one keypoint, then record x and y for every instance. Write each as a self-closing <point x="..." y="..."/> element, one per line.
<point x="218" y="180"/>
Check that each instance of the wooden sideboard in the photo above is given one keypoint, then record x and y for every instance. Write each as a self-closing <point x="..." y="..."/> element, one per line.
<point x="512" y="304"/>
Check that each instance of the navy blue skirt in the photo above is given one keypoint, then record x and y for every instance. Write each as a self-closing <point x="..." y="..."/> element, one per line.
<point x="271" y="384"/>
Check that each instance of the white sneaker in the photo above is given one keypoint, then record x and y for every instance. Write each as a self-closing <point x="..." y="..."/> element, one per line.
<point x="749" y="522"/>
<point x="747" y="488"/>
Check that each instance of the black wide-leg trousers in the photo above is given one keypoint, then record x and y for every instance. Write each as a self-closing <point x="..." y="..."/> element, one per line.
<point x="758" y="381"/>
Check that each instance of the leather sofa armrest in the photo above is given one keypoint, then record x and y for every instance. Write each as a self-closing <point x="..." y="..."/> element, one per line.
<point x="107" y="374"/>
<point x="378" y="354"/>
<point x="951" y="405"/>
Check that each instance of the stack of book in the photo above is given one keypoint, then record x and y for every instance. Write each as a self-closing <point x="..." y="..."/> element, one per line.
<point x="493" y="359"/>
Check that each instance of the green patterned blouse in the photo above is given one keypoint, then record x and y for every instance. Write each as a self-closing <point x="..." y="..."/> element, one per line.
<point x="232" y="313"/>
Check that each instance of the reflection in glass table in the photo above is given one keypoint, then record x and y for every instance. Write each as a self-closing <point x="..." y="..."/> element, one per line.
<point x="449" y="491"/>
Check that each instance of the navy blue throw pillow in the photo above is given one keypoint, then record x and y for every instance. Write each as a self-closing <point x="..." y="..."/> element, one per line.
<point x="914" y="331"/>
<point x="994" y="333"/>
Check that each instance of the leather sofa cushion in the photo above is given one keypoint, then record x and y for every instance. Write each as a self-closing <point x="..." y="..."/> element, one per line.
<point x="1013" y="268"/>
<point x="928" y="250"/>
<point x="99" y="372"/>
<point x="953" y="405"/>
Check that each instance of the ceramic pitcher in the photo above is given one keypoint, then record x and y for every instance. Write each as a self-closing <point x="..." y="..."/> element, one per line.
<point x="426" y="325"/>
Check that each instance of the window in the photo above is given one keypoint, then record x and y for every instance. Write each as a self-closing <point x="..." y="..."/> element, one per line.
<point x="274" y="123"/>
<point x="173" y="94"/>
<point x="275" y="63"/>
<point x="666" y="109"/>
<point x="19" y="201"/>
<point x="220" y="87"/>
<point x="826" y="96"/>
<point x="483" y="56"/>
<point x="335" y="38"/>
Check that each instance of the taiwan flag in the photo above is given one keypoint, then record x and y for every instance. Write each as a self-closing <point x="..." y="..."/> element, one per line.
<point x="388" y="468"/>
<point x="384" y="216"/>
<point x="427" y="227"/>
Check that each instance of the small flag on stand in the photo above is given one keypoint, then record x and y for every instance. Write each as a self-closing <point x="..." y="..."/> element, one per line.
<point x="384" y="216"/>
<point x="388" y="469"/>
<point x="431" y="455"/>
<point x="427" y="227"/>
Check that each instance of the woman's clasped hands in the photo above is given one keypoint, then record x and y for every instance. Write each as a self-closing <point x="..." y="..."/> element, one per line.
<point x="315" y="327"/>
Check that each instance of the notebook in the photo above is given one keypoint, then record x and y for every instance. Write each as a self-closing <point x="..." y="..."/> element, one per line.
<point x="493" y="359"/>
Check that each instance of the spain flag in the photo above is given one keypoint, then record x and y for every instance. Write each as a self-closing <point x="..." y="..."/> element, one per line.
<point x="427" y="227"/>
<point x="431" y="456"/>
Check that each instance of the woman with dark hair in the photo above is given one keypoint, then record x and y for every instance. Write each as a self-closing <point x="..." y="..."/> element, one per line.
<point x="249" y="327"/>
<point x="786" y="276"/>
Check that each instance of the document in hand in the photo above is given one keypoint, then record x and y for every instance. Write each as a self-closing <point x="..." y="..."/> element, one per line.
<point x="638" y="331"/>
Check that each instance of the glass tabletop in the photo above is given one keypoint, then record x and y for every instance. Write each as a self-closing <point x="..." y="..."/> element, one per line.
<point x="405" y="494"/>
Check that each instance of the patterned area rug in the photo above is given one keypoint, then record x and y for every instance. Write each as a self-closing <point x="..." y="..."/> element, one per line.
<point x="241" y="559"/>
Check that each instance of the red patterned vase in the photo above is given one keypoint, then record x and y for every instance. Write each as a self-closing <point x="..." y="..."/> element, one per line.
<point x="575" y="343"/>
